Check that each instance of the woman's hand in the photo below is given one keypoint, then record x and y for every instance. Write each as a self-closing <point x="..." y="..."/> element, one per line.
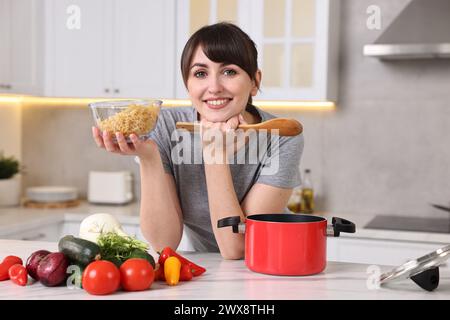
<point x="221" y="140"/>
<point x="142" y="149"/>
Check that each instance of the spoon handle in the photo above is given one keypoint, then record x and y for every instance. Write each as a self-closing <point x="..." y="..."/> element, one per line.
<point x="285" y="127"/>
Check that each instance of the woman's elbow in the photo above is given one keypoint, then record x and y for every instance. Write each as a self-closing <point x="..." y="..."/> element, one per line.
<point x="238" y="255"/>
<point x="158" y="242"/>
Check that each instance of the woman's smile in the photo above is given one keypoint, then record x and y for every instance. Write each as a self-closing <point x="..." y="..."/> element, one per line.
<point x="216" y="104"/>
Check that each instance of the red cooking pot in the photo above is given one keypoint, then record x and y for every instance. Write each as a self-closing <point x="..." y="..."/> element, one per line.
<point x="286" y="244"/>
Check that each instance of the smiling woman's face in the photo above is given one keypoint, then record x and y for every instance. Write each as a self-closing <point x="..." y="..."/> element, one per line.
<point x="218" y="91"/>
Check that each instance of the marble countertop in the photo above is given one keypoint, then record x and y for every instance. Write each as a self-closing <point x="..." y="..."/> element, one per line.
<point x="19" y="218"/>
<point x="230" y="280"/>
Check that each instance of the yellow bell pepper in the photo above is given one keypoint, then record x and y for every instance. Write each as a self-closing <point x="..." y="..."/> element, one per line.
<point x="172" y="268"/>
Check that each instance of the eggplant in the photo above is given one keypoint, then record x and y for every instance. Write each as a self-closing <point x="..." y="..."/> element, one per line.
<point x="52" y="269"/>
<point x="33" y="262"/>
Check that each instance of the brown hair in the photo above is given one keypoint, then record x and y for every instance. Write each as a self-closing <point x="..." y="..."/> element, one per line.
<point x="222" y="43"/>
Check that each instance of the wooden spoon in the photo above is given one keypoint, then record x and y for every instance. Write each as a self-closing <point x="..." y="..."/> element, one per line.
<point x="286" y="127"/>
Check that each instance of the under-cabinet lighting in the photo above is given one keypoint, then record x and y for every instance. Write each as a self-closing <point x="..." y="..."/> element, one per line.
<point x="282" y="105"/>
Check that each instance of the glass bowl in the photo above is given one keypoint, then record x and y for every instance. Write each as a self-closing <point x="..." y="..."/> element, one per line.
<point x="126" y="116"/>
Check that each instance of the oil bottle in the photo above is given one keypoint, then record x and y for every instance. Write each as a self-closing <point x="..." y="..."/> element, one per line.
<point x="307" y="193"/>
<point x="294" y="200"/>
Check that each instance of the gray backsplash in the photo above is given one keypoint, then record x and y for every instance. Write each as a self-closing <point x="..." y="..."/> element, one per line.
<point x="385" y="150"/>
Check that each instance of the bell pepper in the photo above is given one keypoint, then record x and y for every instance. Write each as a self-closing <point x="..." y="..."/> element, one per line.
<point x="169" y="252"/>
<point x="185" y="273"/>
<point x="7" y="263"/>
<point x="172" y="268"/>
<point x="159" y="273"/>
<point x="18" y="274"/>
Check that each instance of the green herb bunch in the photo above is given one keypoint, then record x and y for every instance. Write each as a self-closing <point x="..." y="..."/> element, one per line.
<point x="116" y="248"/>
<point x="9" y="166"/>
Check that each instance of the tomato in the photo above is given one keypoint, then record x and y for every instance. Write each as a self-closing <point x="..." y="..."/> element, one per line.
<point x="136" y="274"/>
<point x="7" y="263"/>
<point x="101" y="277"/>
<point x="18" y="274"/>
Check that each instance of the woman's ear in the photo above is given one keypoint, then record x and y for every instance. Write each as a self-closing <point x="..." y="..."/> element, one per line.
<point x="256" y="83"/>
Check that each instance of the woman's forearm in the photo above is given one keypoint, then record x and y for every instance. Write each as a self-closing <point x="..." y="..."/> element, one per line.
<point x="160" y="212"/>
<point x="223" y="203"/>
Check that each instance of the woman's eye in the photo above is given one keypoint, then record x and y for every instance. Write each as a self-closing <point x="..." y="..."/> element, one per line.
<point x="229" y="72"/>
<point x="199" y="74"/>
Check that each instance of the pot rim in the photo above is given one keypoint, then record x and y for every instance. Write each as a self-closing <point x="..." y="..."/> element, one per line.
<point x="254" y="217"/>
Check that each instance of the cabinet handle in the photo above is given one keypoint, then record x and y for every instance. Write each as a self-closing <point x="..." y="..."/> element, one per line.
<point x="8" y="86"/>
<point x="106" y="90"/>
<point x="36" y="237"/>
<point x="116" y="91"/>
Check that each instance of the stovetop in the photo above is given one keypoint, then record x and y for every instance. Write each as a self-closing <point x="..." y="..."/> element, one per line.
<point x="437" y="225"/>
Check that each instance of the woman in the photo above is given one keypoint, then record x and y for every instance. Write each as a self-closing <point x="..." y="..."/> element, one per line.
<point x="220" y="72"/>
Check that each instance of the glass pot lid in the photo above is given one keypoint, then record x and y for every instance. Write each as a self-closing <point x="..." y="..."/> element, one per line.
<point x="413" y="268"/>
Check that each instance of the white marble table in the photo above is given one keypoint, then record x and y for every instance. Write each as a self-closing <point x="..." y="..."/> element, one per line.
<point x="230" y="280"/>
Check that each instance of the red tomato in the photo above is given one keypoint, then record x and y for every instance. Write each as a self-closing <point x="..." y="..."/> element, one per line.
<point x="101" y="277"/>
<point x="136" y="274"/>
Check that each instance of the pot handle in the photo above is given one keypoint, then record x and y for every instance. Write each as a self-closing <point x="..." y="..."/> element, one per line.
<point x="340" y="225"/>
<point x="230" y="222"/>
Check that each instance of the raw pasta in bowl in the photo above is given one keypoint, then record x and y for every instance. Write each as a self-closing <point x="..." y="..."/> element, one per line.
<point x="126" y="116"/>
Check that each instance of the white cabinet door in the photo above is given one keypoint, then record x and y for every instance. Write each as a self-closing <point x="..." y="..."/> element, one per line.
<point x="24" y="46"/>
<point x="144" y="48"/>
<point x="79" y="48"/>
<point x="5" y="44"/>
<point x="296" y="42"/>
<point x="18" y="46"/>
<point x="116" y="49"/>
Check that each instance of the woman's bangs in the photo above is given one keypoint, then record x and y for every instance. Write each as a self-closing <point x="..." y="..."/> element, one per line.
<point x="222" y="50"/>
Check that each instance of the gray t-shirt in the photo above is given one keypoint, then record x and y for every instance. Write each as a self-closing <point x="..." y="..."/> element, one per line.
<point x="269" y="159"/>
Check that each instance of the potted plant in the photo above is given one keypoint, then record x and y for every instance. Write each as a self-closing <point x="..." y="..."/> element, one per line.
<point x="9" y="181"/>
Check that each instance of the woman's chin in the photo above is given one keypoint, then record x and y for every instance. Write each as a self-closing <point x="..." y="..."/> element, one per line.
<point x="215" y="116"/>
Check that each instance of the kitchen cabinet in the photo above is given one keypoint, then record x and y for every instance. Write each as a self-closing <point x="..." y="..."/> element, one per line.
<point x="132" y="229"/>
<point x="19" y="36"/>
<point x="119" y="48"/>
<point x="296" y="40"/>
<point x="115" y="48"/>
<point x="377" y="251"/>
<point x="382" y="250"/>
<point x="71" y="225"/>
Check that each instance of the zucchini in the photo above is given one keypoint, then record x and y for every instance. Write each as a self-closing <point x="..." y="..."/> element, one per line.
<point x="138" y="253"/>
<point x="79" y="251"/>
<point x="116" y="261"/>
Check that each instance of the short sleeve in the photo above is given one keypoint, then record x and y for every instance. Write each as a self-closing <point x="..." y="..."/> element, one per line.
<point x="161" y="134"/>
<point x="280" y="166"/>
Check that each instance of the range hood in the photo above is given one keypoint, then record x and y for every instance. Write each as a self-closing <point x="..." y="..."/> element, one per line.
<point x="420" y="31"/>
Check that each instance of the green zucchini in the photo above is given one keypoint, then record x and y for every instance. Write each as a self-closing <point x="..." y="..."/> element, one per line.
<point x="79" y="251"/>
<point x="138" y="253"/>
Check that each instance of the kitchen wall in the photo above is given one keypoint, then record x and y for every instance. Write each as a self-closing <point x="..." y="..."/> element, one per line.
<point x="385" y="150"/>
<point x="10" y="131"/>
<point x="58" y="149"/>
